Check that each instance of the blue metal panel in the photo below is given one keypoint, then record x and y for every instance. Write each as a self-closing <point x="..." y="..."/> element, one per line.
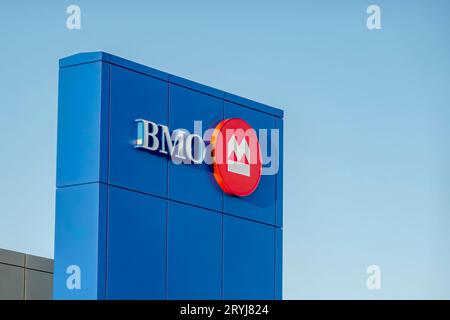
<point x="84" y="57"/>
<point x="254" y="105"/>
<point x="194" y="253"/>
<point x="139" y="68"/>
<point x="187" y="106"/>
<point x="278" y="263"/>
<point x="80" y="240"/>
<point x="249" y="259"/>
<point x="135" y="96"/>
<point x="82" y="124"/>
<point x="136" y="245"/>
<point x="197" y="86"/>
<point x="260" y="205"/>
<point x="279" y="176"/>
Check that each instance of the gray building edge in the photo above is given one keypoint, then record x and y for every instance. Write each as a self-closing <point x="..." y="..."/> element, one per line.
<point x="25" y="277"/>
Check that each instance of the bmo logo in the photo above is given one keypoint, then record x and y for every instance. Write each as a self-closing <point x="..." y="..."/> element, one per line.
<point x="232" y="148"/>
<point x="237" y="157"/>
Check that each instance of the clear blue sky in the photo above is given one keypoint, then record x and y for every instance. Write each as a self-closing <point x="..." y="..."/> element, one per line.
<point x="367" y="140"/>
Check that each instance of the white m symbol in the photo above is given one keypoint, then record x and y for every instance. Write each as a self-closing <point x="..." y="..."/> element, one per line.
<point x="239" y="166"/>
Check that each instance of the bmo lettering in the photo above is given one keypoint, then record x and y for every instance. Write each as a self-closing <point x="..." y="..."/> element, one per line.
<point x="238" y="147"/>
<point x="182" y="145"/>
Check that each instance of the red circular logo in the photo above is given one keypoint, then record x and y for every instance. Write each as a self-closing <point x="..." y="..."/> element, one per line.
<point x="237" y="157"/>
